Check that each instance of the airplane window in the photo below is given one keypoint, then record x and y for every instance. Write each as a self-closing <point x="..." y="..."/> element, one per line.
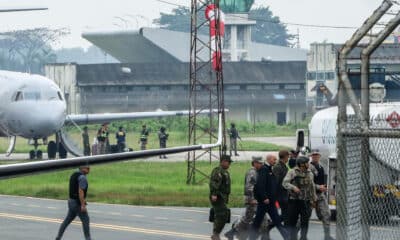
<point x="19" y="96"/>
<point x="32" y="96"/>
<point x="51" y="95"/>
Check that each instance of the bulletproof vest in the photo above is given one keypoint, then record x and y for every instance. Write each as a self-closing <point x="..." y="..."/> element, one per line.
<point x="302" y="181"/>
<point x="74" y="186"/>
<point x="233" y="133"/>
<point x="143" y="135"/>
<point x="320" y="178"/>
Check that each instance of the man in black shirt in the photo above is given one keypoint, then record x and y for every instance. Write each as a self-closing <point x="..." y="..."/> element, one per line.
<point x="265" y="194"/>
<point x="78" y="186"/>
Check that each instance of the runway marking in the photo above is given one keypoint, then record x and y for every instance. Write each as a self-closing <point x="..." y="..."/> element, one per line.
<point x="15" y="204"/>
<point x="115" y="213"/>
<point x="52" y="208"/>
<point x="161" y="218"/>
<point x="187" y="220"/>
<point x="108" y="226"/>
<point x="136" y="215"/>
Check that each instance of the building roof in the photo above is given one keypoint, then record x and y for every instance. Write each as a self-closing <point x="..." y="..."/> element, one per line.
<point x="162" y="45"/>
<point x="385" y="53"/>
<point x="178" y="73"/>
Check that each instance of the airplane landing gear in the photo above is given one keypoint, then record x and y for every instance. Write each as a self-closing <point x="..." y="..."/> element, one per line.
<point x="35" y="153"/>
<point x="52" y="150"/>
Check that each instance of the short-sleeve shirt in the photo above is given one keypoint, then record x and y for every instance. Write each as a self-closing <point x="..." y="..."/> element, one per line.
<point x="82" y="182"/>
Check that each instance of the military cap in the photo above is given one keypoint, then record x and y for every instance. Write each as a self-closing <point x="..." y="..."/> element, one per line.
<point x="315" y="152"/>
<point x="226" y="158"/>
<point x="302" y="160"/>
<point x="294" y="152"/>
<point x="257" y="159"/>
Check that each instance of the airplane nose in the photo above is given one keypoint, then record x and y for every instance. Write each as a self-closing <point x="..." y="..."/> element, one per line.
<point x="46" y="121"/>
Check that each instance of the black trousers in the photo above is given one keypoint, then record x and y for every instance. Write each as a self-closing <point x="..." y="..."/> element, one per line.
<point x="284" y="204"/>
<point x="296" y="209"/>
<point x="270" y="208"/>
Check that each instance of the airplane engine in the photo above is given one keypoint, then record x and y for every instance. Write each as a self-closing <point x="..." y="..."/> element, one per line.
<point x="70" y="137"/>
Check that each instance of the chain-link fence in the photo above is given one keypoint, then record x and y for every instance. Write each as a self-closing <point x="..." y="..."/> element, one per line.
<point x="369" y="177"/>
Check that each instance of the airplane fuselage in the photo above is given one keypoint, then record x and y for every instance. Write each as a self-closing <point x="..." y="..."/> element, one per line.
<point x="32" y="106"/>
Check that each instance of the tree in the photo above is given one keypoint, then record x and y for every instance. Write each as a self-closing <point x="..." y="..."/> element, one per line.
<point x="33" y="46"/>
<point x="178" y="20"/>
<point x="268" y="29"/>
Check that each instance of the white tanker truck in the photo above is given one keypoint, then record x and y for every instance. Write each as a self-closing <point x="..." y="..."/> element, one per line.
<point x="384" y="156"/>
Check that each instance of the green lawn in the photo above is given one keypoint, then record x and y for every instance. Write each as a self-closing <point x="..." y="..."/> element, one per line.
<point x="175" y="139"/>
<point x="136" y="183"/>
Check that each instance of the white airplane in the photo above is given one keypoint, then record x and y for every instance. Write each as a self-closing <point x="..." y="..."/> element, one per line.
<point x="34" y="108"/>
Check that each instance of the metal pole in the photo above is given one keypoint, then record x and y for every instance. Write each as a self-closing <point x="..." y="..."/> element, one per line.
<point x="365" y="163"/>
<point x="345" y="85"/>
<point x="350" y="45"/>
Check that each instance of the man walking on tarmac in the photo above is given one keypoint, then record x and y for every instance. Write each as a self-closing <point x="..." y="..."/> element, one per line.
<point x="78" y="186"/>
<point x="321" y="206"/>
<point x="280" y="170"/>
<point x="240" y="229"/>
<point x="233" y="136"/>
<point x="299" y="183"/>
<point x="265" y="193"/>
<point x="220" y="188"/>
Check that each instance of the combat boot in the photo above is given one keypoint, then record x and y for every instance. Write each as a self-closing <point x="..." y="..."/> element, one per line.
<point x="230" y="234"/>
<point x="327" y="233"/>
<point x="215" y="237"/>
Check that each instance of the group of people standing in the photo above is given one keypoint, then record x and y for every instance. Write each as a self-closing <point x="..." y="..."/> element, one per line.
<point x="296" y="189"/>
<point x="102" y="143"/>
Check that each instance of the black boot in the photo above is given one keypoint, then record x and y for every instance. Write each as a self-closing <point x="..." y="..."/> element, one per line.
<point x="230" y="234"/>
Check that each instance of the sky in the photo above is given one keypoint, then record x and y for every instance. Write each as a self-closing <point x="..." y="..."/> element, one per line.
<point x="84" y="15"/>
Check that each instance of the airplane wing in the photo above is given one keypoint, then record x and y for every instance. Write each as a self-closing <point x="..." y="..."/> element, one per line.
<point x="23" y="9"/>
<point x="81" y="119"/>
<point x="30" y="168"/>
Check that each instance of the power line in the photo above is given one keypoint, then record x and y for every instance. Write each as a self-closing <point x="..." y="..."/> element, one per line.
<point x="275" y="22"/>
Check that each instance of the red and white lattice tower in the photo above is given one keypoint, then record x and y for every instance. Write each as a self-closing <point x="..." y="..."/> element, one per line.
<point x="214" y="15"/>
<point x="206" y="81"/>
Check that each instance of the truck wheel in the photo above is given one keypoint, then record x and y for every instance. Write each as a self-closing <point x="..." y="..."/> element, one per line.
<point x="333" y="215"/>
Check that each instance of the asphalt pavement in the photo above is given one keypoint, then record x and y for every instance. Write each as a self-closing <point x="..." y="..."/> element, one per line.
<point x="39" y="219"/>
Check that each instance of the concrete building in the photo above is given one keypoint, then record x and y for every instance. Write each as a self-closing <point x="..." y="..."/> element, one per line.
<point x="322" y="65"/>
<point x="262" y="82"/>
<point x="254" y="91"/>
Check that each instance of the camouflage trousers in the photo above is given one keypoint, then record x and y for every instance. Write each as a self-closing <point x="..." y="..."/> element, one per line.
<point x="233" y="146"/>
<point x="221" y="216"/>
<point x="322" y="209"/>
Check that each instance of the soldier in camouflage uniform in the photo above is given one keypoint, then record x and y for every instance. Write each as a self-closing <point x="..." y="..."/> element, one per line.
<point x="240" y="228"/>
<point x="321" y="206"/>
<point x="220" y="188"/>
<point x="300" y="185"/>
